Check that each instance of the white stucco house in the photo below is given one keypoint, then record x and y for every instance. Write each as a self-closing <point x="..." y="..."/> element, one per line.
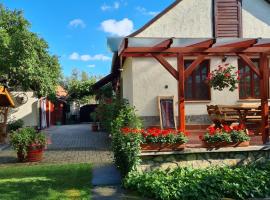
<point x="143" y="79"/>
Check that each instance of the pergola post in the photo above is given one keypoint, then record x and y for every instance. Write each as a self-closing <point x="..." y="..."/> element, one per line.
<point x="264" y="89"/>
<point x="181" y="92"/>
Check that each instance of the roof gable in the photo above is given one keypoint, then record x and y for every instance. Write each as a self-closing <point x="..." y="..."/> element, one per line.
<point x="166" y="11"/>
<point x="155" y="18"/>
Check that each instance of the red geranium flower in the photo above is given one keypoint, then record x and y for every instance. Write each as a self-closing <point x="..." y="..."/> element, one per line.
<point x="227" y="128"/>
<point x="200" y="137"/>
<point x="187" y="134"/>
<point x="165" y="132"/>
<point x="211" y="130"/>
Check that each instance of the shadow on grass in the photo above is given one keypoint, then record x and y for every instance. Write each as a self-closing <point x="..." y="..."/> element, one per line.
<point x="69" y="181"/>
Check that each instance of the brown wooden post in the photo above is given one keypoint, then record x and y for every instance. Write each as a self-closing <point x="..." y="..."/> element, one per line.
<point x="181" y="92"/>
<point x="264" y="89"/>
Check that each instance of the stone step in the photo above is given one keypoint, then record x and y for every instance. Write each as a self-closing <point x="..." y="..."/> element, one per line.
<point x="106" y="175"/>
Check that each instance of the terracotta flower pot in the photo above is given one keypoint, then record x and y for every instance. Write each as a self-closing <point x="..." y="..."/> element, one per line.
<point x="163" y="147"/>
<point x="214" y="144"/>
<point x="151" y="147"/>
<point x="179" y="146"/>
<point x="225" y="144"/>
<point x="34" y="154"/>
<point x="240" y="144"/>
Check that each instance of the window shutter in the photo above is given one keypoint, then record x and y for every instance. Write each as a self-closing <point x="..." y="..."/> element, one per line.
<point x="228" y="18"/>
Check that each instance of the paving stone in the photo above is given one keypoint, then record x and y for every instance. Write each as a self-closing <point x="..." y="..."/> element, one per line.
<point x="70" y="144"/>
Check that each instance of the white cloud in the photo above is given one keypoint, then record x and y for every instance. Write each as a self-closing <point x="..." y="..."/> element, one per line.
<point x="74" y="56"/>
<point x="86" y="57"/>
<point x="144" y="11"/>
<point x="123" y="27"/>
<point x="91" y="66"/>
<point x="76" y="23"/>
<point x="114" y="6"/>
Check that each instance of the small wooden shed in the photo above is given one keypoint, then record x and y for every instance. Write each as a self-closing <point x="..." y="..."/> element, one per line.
<point x="5" y="103"/>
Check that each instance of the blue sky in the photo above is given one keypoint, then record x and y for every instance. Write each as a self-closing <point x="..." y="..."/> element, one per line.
<point x="77" y="30"/>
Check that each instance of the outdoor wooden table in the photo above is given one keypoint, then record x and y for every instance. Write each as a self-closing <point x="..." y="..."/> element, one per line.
<point x="242" y="111"/>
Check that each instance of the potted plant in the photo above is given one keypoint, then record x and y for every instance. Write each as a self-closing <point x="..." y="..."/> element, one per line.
<point x="28" y="143"/>
<point x="225" y="136"/>
<point x="155" y="139"/>
<point x="93" y="116"/>
<point x="225" y="76"/>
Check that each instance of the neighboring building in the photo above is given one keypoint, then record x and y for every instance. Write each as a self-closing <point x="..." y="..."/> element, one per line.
<point x="143" y="79"/>
<point x="26" y="108"/>
<point x="38" y="112"/>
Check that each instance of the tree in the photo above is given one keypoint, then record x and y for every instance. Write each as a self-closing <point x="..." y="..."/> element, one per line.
<point x="25" y="61"/>
<point x="79" y="86"/>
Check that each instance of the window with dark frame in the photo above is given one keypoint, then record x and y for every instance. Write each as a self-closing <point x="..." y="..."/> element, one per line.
<point x="249" y="84"/>
<point x="196" y="87"/>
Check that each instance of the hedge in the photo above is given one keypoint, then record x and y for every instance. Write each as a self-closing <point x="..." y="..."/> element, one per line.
<point x="203" y="184"/>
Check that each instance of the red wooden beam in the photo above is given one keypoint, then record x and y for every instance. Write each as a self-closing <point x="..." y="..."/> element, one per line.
<point x="166" y="65"/>
<point x="193" y="65"/>
<point x="240" y="44"/>
<point x="264" y="89"/>
<point x="249" y="63"/>
<point x="181" y="92"/>
<point x="204" y="44"/>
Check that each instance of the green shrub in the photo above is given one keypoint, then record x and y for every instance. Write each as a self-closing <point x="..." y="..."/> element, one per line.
<point x="15" y="125"/>
<point x="108" y="110"/>
<point x="126" y="148"/>
<point x="203" y="184"/>
<point x="23" y="138"/>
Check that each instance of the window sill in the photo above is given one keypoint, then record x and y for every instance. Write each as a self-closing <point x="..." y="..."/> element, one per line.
<point x="197" y="101"/>
<point x="251" y="100"/>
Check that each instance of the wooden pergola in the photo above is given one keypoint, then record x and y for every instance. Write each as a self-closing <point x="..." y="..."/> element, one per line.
<point x="160" y="48"/>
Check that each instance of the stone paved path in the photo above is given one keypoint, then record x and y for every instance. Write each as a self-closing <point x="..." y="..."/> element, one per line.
<point x="70" y="144"/>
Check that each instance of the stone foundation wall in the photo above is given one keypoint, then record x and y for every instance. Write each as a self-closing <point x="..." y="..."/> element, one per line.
<point x="202" y="158"/>
<point x="190" y="120"/>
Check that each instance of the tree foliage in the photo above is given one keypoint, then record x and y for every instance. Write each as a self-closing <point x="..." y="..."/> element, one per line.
<point x="79" y="86"/>
<point x="25" y="61"/>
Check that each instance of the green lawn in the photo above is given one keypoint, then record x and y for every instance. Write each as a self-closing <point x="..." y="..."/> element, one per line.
<point x="50" y="182"/>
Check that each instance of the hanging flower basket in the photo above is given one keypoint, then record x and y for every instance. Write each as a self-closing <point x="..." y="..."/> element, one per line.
<point x="226" y="76"/>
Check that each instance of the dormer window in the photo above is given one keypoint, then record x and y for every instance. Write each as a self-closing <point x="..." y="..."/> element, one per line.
<point x="227" y="18"/>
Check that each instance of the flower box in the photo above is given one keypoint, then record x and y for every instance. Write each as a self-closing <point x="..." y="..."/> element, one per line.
<point x="240" y="144"/>
<point x="225" y="144"/>
<point x="226" y="136"/>
<point x="214" y="145"/>
<point x="151" y="147"/>
<point x="163" y="147"/>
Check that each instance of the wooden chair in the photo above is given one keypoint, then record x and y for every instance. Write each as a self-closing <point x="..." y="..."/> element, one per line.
<point x="214" y="114"/>
<point x="254" y="116"/>
<point x="227" y="114"/>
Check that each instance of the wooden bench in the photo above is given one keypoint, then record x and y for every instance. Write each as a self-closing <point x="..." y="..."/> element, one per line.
<point x="225" y="114"/>
<point x="222" y="115"/>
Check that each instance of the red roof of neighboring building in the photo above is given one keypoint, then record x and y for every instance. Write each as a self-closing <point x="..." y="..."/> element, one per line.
<point x="61" y="92"/>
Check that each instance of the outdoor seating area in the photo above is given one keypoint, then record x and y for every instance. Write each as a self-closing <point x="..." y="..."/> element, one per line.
<point x="227" y="114"/>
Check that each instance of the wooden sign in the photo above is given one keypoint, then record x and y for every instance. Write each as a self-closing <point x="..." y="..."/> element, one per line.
<point x="166" y="112"/>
